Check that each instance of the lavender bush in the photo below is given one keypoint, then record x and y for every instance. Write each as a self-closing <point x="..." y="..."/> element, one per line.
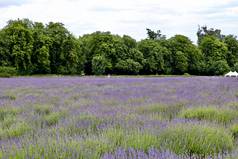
<point x="118" y="117"/>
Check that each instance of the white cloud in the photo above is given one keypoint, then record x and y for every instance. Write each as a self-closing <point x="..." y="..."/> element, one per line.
<point x="127" y="16"/>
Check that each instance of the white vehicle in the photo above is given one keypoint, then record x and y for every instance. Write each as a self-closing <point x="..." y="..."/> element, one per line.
<point x="231" y="74"/>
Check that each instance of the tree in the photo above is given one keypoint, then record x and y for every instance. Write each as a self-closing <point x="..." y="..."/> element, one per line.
<point x="100" y="65"/>
<point x="153" y="54"/>
<point x="232" y="46"/>
<point x="235" y="68"/>
<point x="5" y="54"/>
<point x="152" y="35"/>
<point x="34" y="48"/>
<point x="63" y="50"/>
<point x="98" y="43"/>
<point x="128" y="66"/>
<point x="180" y="63"/>
<point x="71" y="56"/>
<point x="19" y="39"/>
<point x="192" y="55"/>
<point x="113" y="47"/>
<point x="129" y="41"/>
<point x="213" y="50"/>
<point x="219" y="67"/>
<point x="40" y="54"/>
<point x="204" y="31"/>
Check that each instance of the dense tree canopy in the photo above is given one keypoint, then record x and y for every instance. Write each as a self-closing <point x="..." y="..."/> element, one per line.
<point x="36" y="48"/>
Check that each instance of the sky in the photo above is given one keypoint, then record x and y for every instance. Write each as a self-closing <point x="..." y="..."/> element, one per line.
<point x="130" y="17"/>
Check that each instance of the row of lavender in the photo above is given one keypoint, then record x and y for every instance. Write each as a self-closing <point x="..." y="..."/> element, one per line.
<point x="118" y="117"/>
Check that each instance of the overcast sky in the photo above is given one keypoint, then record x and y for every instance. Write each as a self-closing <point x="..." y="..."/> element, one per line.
<point x="130" y="17"/>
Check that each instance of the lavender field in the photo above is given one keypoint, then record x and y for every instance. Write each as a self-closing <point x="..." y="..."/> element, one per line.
<point x="118" y="117"/>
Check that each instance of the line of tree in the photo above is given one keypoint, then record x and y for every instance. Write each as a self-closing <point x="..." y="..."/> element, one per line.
<point x="35" y="48"/>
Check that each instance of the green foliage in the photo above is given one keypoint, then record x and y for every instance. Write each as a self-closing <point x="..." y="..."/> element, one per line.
<point x="141" y="141"/>
<point x="43" y="109"/>
<point x="181" y="63"/>
<point x="215" y="54"/>
<point x="8" y="121"/>
<point x="20" y="39"/>
<point x="186" y="57"/>
<point x="198" y="140"/>
<point x="7" y="111"/>
<point x="100" y="65"/>
<point x="128" y="67"/>
<point x="234" y="130"/>
<point x="236" y="67"/>
<point x="166" y="111"/>
<point x="51" y="150"/>
<point x="40" y="52"/>
<point x="16" y="129"/>
<point x="9" y="125"/>
<point x="53" y="118"/>
<point x="204" y="31"/>
<point x="120" y="138"/>
<point x="155" y="35"/>
<point x="94" y="148"/>
<point x="154" y="55"/>
<point x="74" y="129"/>
<point x="7" y="71"/>
<point x="209" y="113"/>
<point x="219" y="67"/>
<point x="35" y="48"/>
<point x="232" y="45"/>
<point x="63" y="50"/>
<point x="11" y="128"/>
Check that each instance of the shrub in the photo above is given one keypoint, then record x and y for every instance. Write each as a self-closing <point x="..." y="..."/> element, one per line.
<point x="84" y="124"/>
<point x="219" y="67"/>
<point x="8" y="121"/>
<point x="100" y="65"/>
<point x="196" y="140"/>
<point x="134" y="139"/>
<point x="53" y="118"/>
<point x="128" y="66"/>
<point x="14" y="130"/>
<point x="234" y="130"/>
<point x="94" y="148"/>
<point x="17" y="129"/>
<point x="7" y="111"/>
<point x="209" y="113"/>
<point x="236" y="67"/>
<point x="43" y="109"/>
<point x="186" y="74"/>
<point x="115" y="136"/>
<point x="141" y="141"/>
<point x="167" y="111"/>
<point x="7" y="71"/>
<point x="54" y="149"/>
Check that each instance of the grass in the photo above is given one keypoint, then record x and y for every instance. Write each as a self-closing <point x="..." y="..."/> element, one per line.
<point x="84" y="124"/>
<point x="53" y="118"/>
<point x="8" y="111"/>
<point x="199" y="140"/>
<point x="210" y="113"/>
<point x="141" y="141"/>
<point x="234" y="130"/>
<point x="10" y="125"/>
<point x="43" y="109"/>
<point x="132" y="139"/>
<point x="14" y="130"/>
<point x="168" y="112"/>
